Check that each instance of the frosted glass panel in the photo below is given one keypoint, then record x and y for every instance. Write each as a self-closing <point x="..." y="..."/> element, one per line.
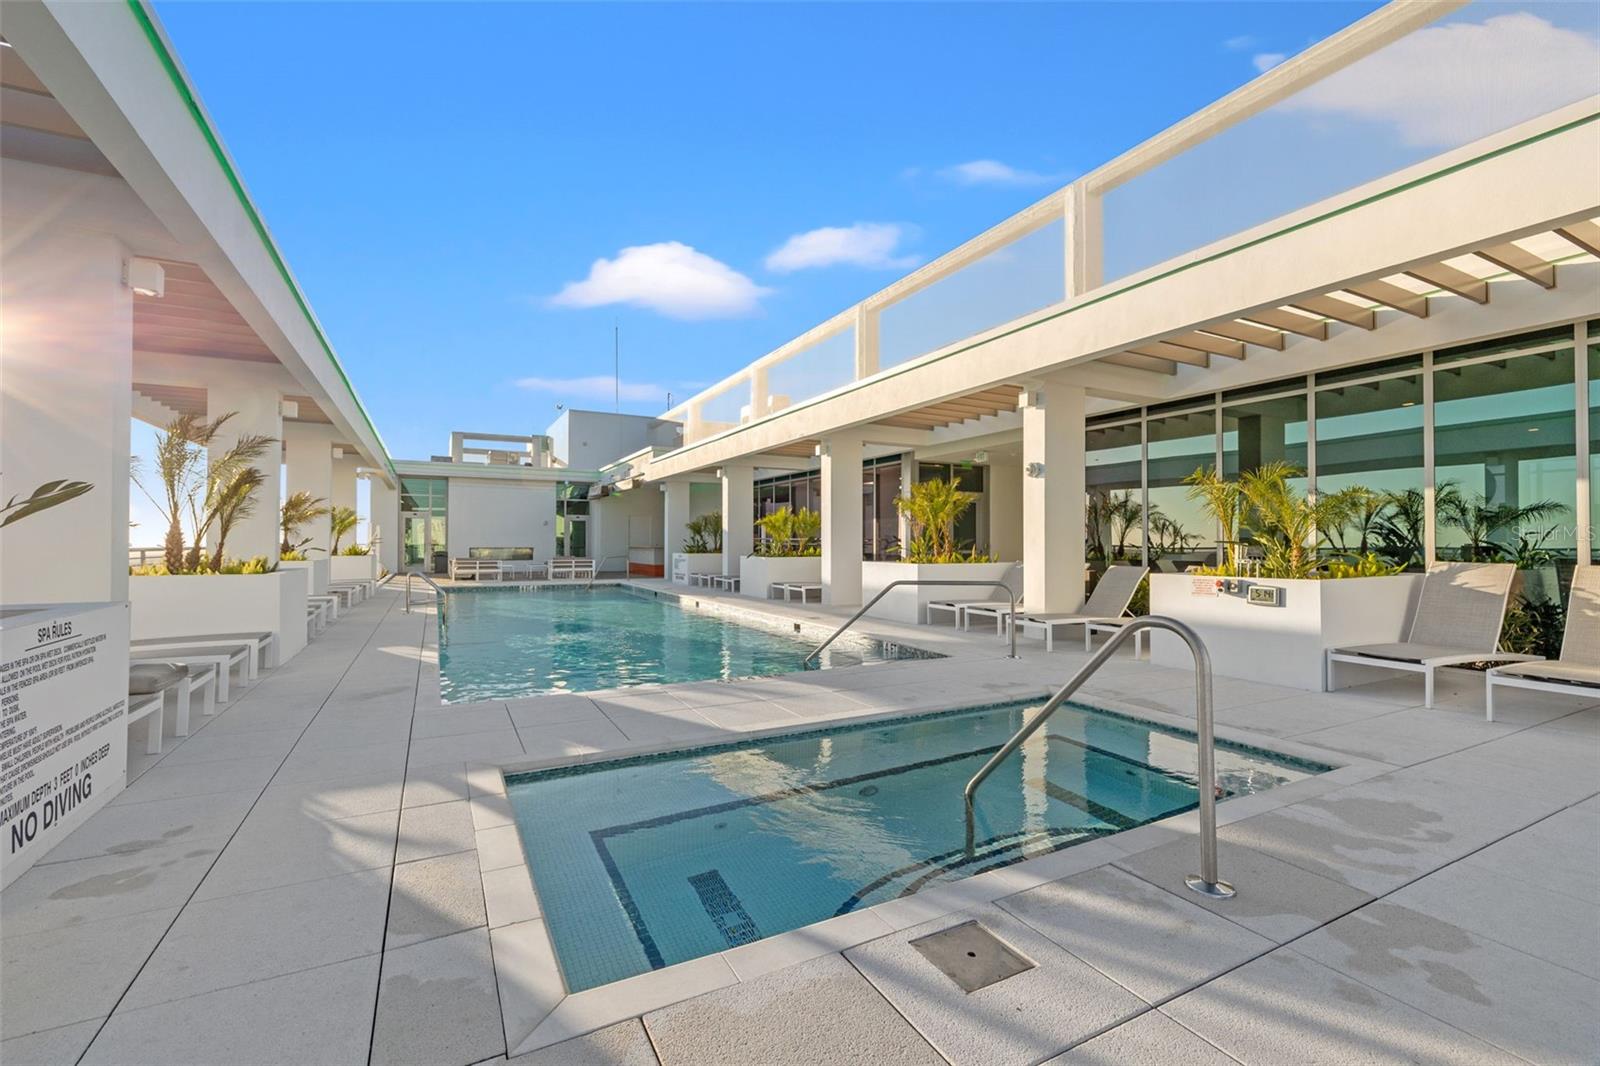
<point x="813" y="371"/>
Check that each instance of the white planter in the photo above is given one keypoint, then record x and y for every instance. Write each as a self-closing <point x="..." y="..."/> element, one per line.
<point x="909" y="603"/>
<point x="758" y="572"/>
<point x="686" y="563"/>
<point x="187" y="606"/>
<point x="316" y="572"/>
<point x="353" y="567"/>
<point x="1279" y="645"/>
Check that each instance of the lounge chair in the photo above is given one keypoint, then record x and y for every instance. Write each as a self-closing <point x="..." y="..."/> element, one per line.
<point x="227" y="658"/>
<point x="726" y="582"/>
<point x="802" y="589"/>
<point x="1457" y="621"/>
<point x="999" y="610"/>
<point x="1104" y="608"/>
<point x="149" y="708"/>
<point x="264" y="641"/>
<point x="1577" y="671"/>
<point x="179" y="680"/>
<point x="954" y="607"/>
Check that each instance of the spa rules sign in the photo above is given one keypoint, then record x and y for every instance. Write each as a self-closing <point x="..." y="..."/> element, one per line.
<point x="63" y="723"/>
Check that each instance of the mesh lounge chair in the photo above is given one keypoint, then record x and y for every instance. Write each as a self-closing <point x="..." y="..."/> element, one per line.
<point x="1457" y="621"/>
<point x="1104" y="607"/>
<point x="1577" y="672"/>
<point x="999" y="610"/>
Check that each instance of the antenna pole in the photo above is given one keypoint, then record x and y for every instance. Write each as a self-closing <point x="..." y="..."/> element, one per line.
<point x="616" y="367"/>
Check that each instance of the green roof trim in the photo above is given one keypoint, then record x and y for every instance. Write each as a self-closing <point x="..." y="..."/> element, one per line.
<point x="185" y="92"/>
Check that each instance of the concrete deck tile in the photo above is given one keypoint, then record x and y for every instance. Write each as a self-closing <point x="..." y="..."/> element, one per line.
<point x="341" y="732"/>
<point x="345" y="798"/>
<point x="321" y="1015"/>
<point x="622" y="1044"/>
<point x="114" y="830"/>
<point x="570" y="738"/>
<point x="467" y="747"/>
<point x="435" y="784"/>
<point x="509" y="897"/>
<point x="596" y="1008"/>
<point x="529" y="978"/>
<point x="821" y="1011"/>
<point x="437" y="1002"/>
<point x="1300" y="715"/>
<point x="62" y="976"/>
<point x="1529" y="1007"/>
<point x="1408" y="736"/>
<point x="61" y="894"/>
<point x="1150" y="941"/>
<point x="162" y="782"/>
<point x="1151" y="1039"/>
<point x="1565" y="859"/>
<point x="62" y="1046"/>
<point x="284" y="846"/>
<point x="1287" y="1008"/>
<point x="437" y="829"/>
<point x="489" y="811"/>
<point x="219" y="943"/>
<point x="761" y="957"/>
<point x="701" y="694"/>
<point x="649" y="726"/>
<point x="339" y="764"/>
<point x="499" y="848"/>
<point x="756" y="714"/>
<point x="1274" y="898"/>
<point x="457" y="721"/>
<point x="640" y="699"/>
<point x="1022" y="1019"/>
<point x="1545" y="924"/>
<point x="435" y="897"/>
<point x="205" y="746"/>
<point x="551" y="709"/>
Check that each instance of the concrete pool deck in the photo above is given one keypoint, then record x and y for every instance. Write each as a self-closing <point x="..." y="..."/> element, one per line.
<point x="320" y="874"/>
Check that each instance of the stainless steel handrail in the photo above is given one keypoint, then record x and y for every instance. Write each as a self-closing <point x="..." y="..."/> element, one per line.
<point x="600" y="564"/>
<point x="430" y="581"/>
<point x="918" y="581"/>
<point x="1206" y="883"/>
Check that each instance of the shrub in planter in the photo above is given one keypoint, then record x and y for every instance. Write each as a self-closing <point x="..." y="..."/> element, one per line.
<point x="934" y="507"/>
<point x="705" y="534"/>
<point x="789" y="534"/>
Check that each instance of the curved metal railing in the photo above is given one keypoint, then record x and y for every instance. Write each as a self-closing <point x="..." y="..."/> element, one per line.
<point x="430" y="582"/>
<point x="818" y="650"/>
<point x="1206" y="882"/>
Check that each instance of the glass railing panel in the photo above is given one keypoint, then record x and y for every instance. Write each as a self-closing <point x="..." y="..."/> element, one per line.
<point x="1021" y="277"/>
<point x="725" y="410"/>
<point x="812" y="371"/>
<point x="1480" y="70"/>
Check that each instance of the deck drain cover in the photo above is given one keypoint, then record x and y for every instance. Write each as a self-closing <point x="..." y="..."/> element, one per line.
<point x="971" y="956"/>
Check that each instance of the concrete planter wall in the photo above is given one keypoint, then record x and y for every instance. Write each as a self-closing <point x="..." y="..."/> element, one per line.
<point x="1279" y="645"/>
<point x="187" y="606"/>
<point x="686" y="563"/>
<point x="908" y="604"/>
<point x="353" y="567"/>
<point x="758" y="572"/>
<point x="316" y="573"/>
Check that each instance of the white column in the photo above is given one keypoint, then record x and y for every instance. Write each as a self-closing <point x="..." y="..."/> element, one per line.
<point x="343" y="490"/>
<point x="1052" y="496"/>
<point x="867" y="352"/>
<point x="675" y="517"/>
<point x="66" y="388"/>
<point x="308" y="459"/>
<point x="255" y="408"/>
<point x="908" y="478"/>
<point x="1005" y="511"/>
<point x="738" y="515"/>
<point x="384" y="522"/>
<point x="841" y="521"/>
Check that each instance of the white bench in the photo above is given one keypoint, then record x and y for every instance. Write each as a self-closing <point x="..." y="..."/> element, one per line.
<point x="149" y="709"/>
<point x="801" y="589"/>
<point x="726" y="582"/>
<point x="264" y="643"/>
<point x="225" y="657"/>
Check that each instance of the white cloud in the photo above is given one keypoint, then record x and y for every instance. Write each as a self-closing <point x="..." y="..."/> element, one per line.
<point x="865" y="244"/>
<point x="670" y="278"/>
<point x="1452" y="83"/>
<point x="994" y="172"/>
<point x="593" y="388"/>
<point x="1265" y="61"/>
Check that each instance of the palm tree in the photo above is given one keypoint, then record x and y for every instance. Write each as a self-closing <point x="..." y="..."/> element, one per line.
<point x="343" y="520"/>
<point x="1226" y="504"/>
<point x="1480" y="521"/>
<point x="300" y="508"/>
<point x="180" y="464"/>
<point x="1400" y="526"/>
<point x="222" y="475"/>
<point x="1289" y="524"/>
<point x="934" y="507"/>
<point x="235" y="500"/>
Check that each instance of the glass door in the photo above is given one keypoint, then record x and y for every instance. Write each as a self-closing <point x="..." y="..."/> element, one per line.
<point x="414" y="538"/>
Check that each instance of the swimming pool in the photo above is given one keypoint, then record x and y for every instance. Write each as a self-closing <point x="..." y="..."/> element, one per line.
<point x="644" y="862"/>
<point x="503" y="643"/>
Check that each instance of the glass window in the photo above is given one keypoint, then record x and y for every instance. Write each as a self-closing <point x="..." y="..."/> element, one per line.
<point x="1115" y="508"/>
<point x="1180" y="444"/>
<point x="1506" y="457"/>
<point x="1594" y="448"/>
<point x="1369" y="434"/>
<point x="1264" y="431"/>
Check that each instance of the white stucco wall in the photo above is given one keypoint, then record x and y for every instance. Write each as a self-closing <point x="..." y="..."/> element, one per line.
<point x="384" y="505"/>
<point x="501" y="514"/>
<point x="611" y="519"/>
<point x="588" y="440"/>
<point x="1005" y="510"/>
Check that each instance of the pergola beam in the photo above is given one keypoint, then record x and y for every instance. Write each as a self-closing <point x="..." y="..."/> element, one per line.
<point x="1290" y="322"/>
<point x="1520" y="262"/>
<point x="1452" y="280"/>
<point x="1202" y="342"/>
<point x="1585" y="235"/>
<point x="1250" y="334"/>
<point x="1141" y="362"/>
<point x="1390" y="295"/>
<point x="1172" y="352"/>
<point x="1339" y="310"/>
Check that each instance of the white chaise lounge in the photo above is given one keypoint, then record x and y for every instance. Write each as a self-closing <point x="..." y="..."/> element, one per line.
<point x="227" y="658"/>
<point x="1577" y="672"/>
<point x="179" y="680"/>
<point x="1103" y="610"/>
<point x="1457" y="621"/>
<point x="265" y="642"/>
<point x="999" y="610"/>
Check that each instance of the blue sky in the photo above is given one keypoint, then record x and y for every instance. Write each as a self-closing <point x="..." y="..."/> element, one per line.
<point x="444" y="178"/>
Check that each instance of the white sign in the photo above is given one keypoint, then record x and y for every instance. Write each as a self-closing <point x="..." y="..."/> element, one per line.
<point x="63" y="723"/>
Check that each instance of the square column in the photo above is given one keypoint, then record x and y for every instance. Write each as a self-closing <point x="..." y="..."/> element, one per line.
<point x="738" y="515"/>
<point x="308" y="459"/>
<point x="256" y="409"/>
<point x="675" y="516"/>
<point x="383" y="524"/>
<point x="66" y="396"/>
<point x="841" y="521"/>
<point x="342" y="492"/>
<point x="1052" y="496"/>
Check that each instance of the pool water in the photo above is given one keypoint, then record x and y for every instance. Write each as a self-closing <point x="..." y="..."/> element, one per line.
<point x="503" y="643"/>
<point x="645" y="862"/>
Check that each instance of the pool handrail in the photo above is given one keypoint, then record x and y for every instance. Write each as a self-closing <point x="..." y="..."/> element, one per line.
<point x="601" y="562"/>
<point x="1206" y="882"/>
<point x="431" y="583"/>
<point x="918" y="581"/>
